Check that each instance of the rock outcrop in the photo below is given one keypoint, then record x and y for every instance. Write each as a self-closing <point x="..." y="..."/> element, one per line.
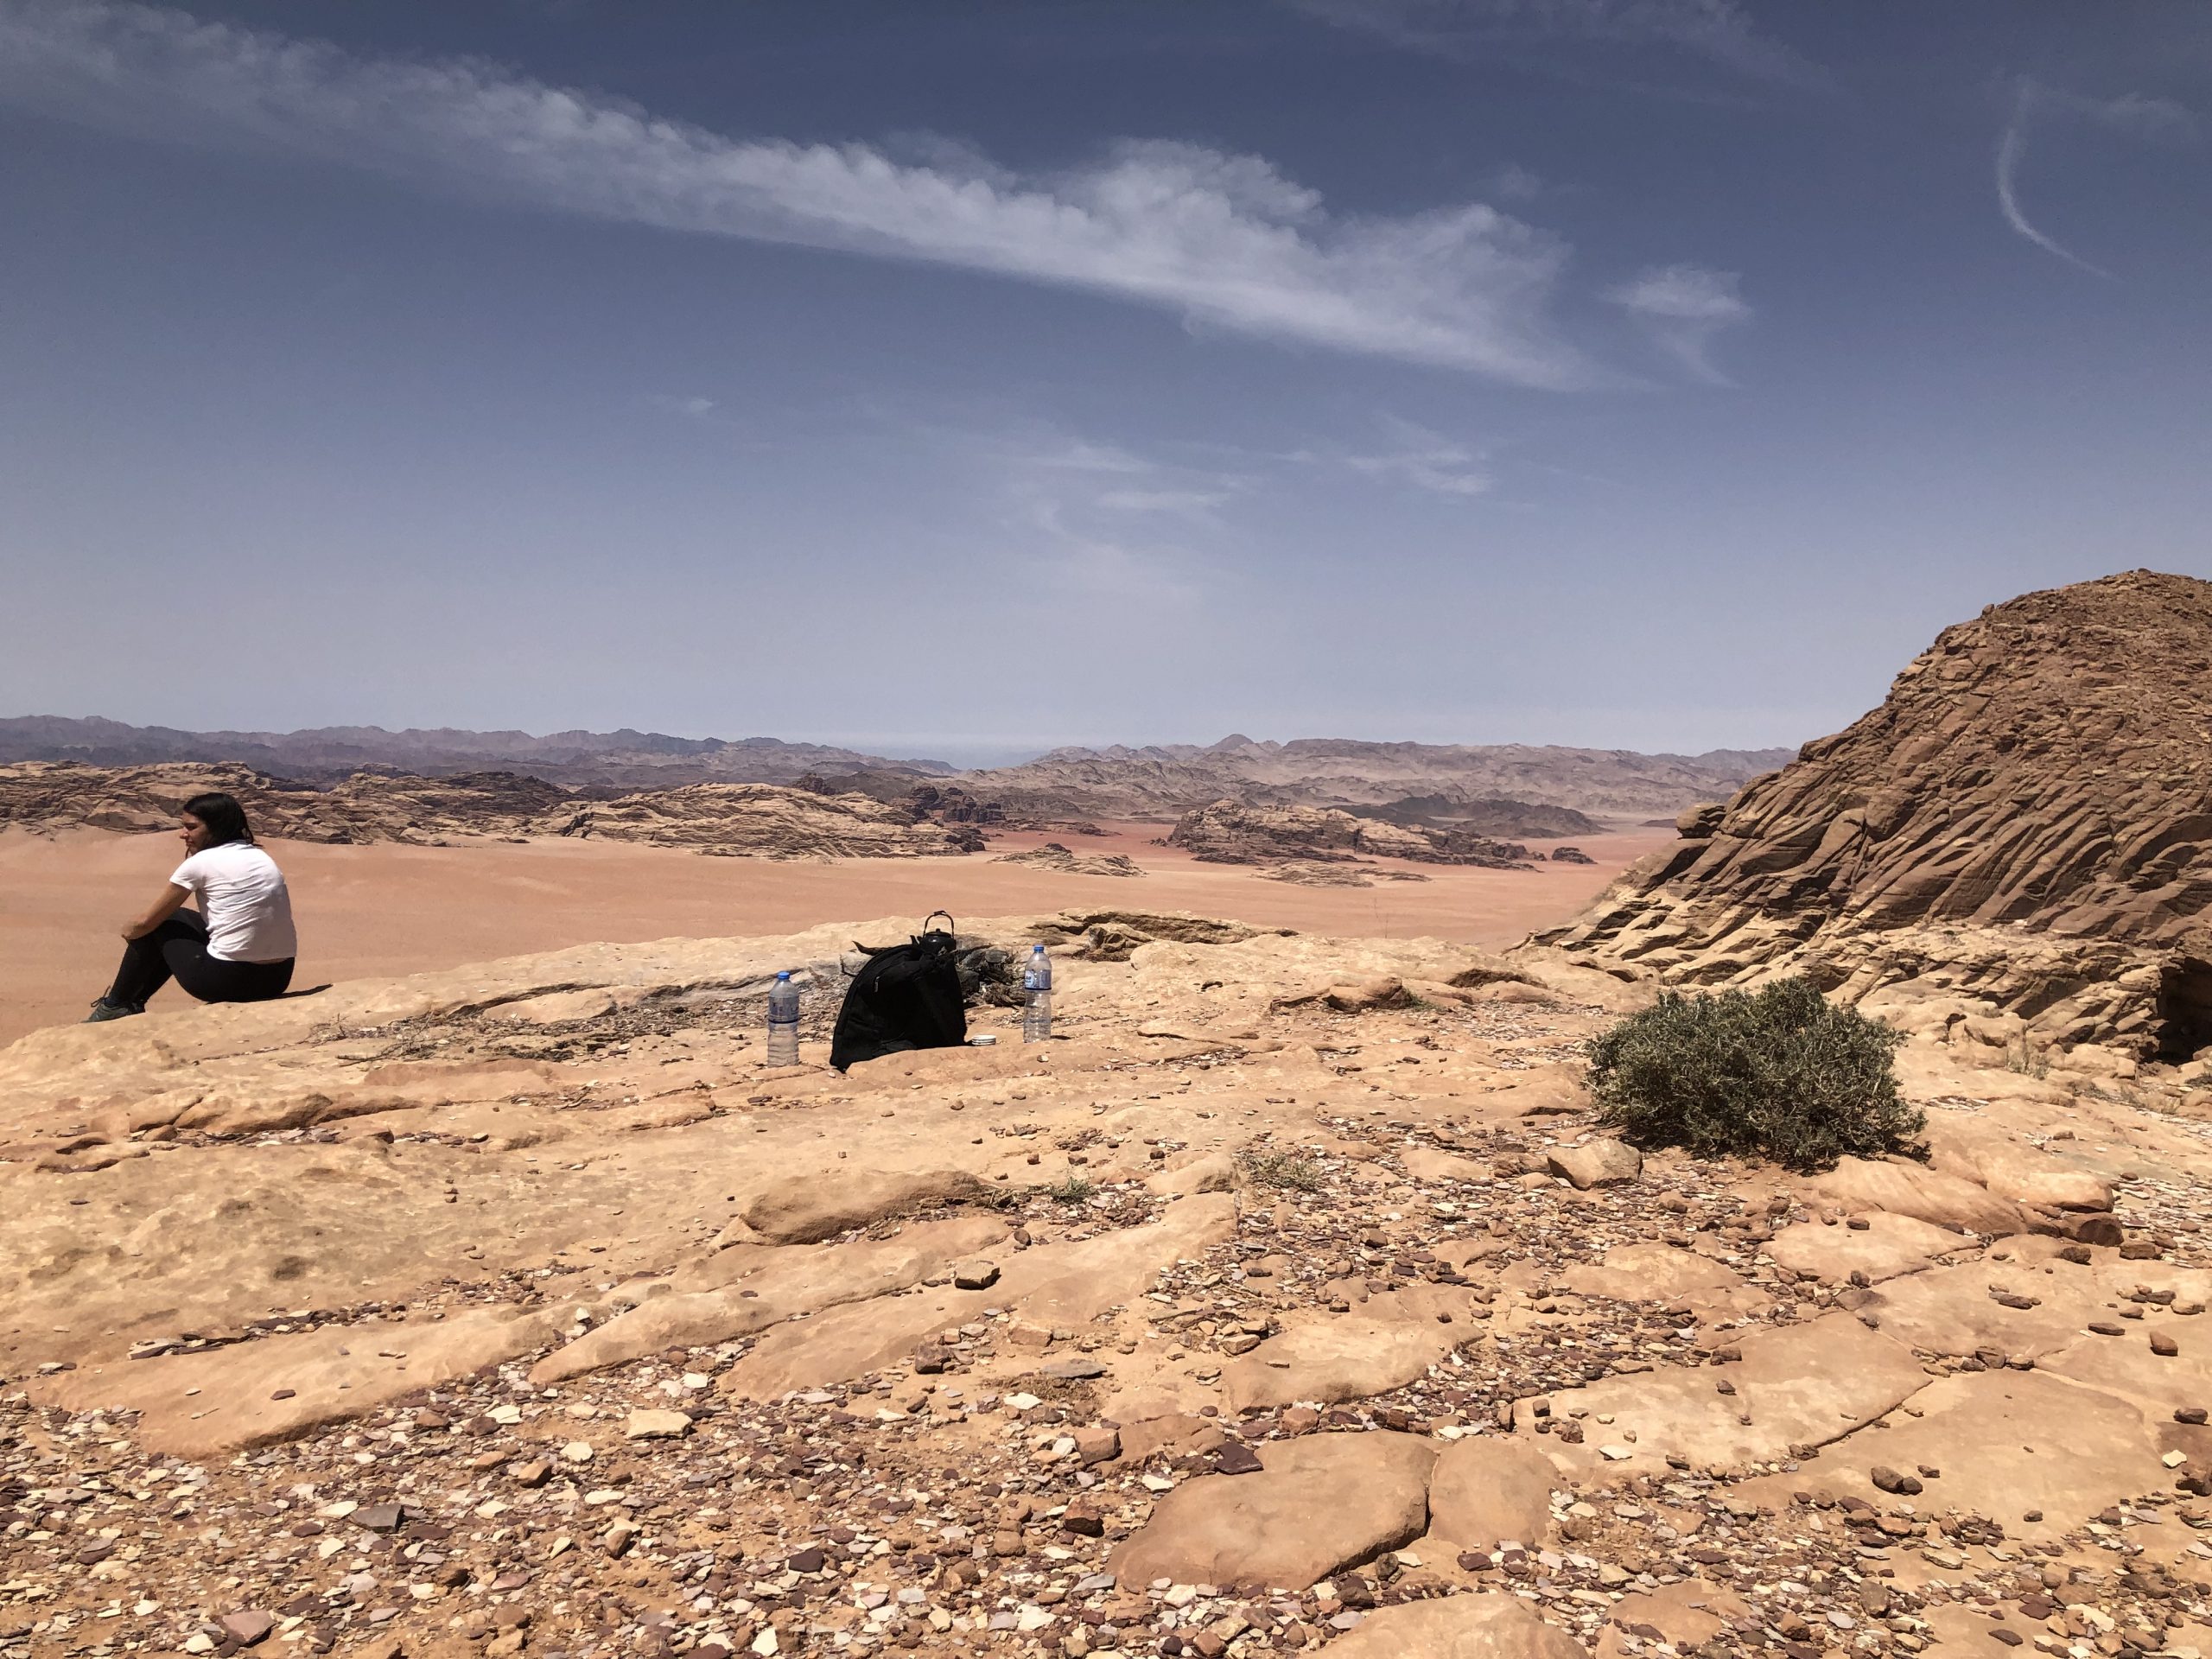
<point x="1476" y="781"/>
<point x="1228" y="832"/>
<point x="2023" y="828"/>
<point x="757" y="820"/>
<point x="1054" y="856"/>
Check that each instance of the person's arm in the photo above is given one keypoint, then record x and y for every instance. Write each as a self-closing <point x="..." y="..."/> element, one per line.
<point x="163" y="908"/>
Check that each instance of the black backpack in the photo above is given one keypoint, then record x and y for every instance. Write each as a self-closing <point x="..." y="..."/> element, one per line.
<point x="905" y="996"/>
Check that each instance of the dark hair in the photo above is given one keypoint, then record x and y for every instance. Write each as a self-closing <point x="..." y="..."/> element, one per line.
<point x="224" y="817"/>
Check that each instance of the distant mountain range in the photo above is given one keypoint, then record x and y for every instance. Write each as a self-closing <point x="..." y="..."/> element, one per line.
<point x="1479" y="787"/>
<point x="574" y="759"/>
<point x="1166" y="779"/>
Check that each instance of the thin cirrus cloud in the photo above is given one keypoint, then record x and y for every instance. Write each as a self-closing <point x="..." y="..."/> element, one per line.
<point x="1426" y="461"/>
<point x="1719" y="32"/>
<point x="1683" y="308"/>
<point x="2132" y="113"/>
<point x="1224" y="241"/>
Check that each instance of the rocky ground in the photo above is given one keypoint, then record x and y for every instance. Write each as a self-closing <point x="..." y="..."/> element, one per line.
<point x="1287" y="1298"/>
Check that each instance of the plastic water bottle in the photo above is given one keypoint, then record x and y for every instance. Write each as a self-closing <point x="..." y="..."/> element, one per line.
<point x="1037" y="997"/>
<point x="783" y="1022"/>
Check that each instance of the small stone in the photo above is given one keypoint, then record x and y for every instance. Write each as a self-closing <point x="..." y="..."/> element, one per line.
<point x="657" y="1426"/>
<point x="1073" y="1370"/>
<point x="2163" y="1345"/>
<point x="810" y="1560"/>
<point x="1084" y="1522"/>
<point x="1889" y="1480"/>
<point x="1596" y="1163"/>
<point x="1236" y="1459"/>
<point x="577" y="1451"/>
<point x="977" y="1275"/>
<point x="248" y="1625"/>
<point x="2189" y="1413"/>
<point x="1096" y="1446"/>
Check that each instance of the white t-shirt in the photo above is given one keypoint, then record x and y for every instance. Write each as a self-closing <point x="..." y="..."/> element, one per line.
<point x="244" y="901"/>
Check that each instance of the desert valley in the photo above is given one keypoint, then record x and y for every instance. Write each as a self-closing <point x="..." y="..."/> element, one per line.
<point x="1299" y="1292"/>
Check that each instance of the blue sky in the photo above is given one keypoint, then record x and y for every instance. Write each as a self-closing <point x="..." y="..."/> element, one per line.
<point x="965" y="378"/>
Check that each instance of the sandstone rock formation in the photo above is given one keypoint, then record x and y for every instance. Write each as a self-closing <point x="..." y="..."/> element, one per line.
<point x="1053" y="856"/>
<point x="1167" y="780"/>
<point x="728" y="819"/>
<point x="2023" y="829"/>
<point x="1225" y="832"/>
<point x="1482" y="815"/>
<point x="523" y="1309"/>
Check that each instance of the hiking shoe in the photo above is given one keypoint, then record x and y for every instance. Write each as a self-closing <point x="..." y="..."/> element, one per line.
<point x="105" y="1009"/>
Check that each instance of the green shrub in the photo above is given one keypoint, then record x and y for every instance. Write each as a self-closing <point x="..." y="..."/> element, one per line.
<point x="1781" y="1073"/>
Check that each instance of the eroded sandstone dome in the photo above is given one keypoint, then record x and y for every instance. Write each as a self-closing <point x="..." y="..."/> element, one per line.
<point x="2025" y="822"/>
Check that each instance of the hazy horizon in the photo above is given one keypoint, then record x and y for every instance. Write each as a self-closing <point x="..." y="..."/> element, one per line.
<point x="967" y="755"/>
<point x="969" y="380"/>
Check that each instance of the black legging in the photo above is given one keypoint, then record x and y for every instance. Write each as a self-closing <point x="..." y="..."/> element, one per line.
<point x="178" y="947"/>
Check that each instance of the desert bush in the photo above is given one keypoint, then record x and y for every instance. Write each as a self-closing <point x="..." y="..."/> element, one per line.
<point x="1780" y="1073"/>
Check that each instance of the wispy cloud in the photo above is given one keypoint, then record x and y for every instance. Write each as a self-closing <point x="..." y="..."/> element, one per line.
<point x="1426" y="460"/>
<point x="696" y="409"/>
<point x="1226" y="242"/>
<point x="1683" y="308"/>
<point x="1513" y="182"/>
<point x="1718" y="31"/>
<point x="1090" y="517"/>
<point x="1183" y="501"/>
<point x="2132" y="113"/>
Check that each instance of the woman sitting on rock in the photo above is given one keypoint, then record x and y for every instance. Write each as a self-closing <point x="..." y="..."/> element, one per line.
<point x="238" y="949"/>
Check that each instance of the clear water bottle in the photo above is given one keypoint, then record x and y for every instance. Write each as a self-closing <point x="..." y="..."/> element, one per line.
<point x="1037" y="997"/>
<point x="783" y="1022"/>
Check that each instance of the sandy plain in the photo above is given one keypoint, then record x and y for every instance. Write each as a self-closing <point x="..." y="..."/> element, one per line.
<point x="388" y="909"/>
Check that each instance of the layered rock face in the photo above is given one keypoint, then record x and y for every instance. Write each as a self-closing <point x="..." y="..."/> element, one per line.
<point x="760" y="820"/>
<point x="2024" y="827"/>
<point x="1228" y="832"/>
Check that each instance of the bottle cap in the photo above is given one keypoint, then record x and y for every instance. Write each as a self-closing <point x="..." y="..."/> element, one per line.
<point x="784" y="973"/>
